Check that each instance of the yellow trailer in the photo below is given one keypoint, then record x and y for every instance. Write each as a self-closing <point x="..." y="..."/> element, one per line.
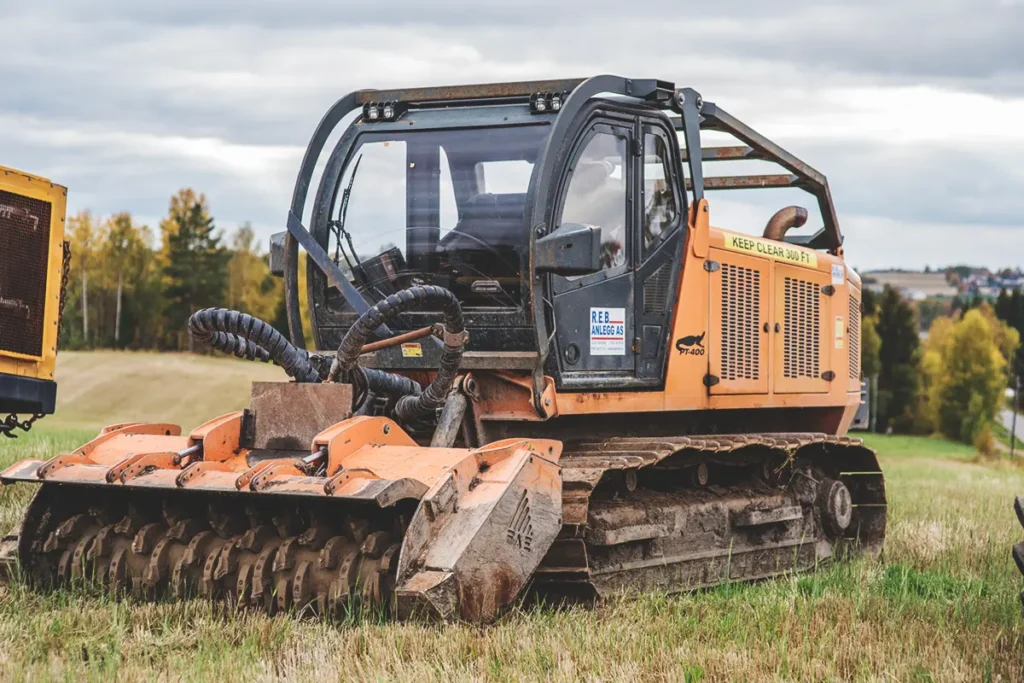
<point x="33" y="266"/>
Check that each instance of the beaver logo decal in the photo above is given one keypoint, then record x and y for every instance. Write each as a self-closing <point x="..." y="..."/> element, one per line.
<point x="685" y="345"/>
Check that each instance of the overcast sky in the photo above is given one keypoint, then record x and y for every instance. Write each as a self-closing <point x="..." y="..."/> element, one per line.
<point x="914" y="110"/>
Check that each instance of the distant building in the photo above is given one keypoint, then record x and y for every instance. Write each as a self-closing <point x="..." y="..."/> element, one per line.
<point x="916" y="285"/>
<point x="911" y="284"/>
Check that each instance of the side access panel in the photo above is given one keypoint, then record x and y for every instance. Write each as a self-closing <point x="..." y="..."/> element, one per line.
<point x="853" y="317"/>
<point x="740" y="310"/>
<point x="803" y="337"/>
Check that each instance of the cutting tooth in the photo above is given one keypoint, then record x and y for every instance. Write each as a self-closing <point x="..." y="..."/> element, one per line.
<point x="227" y="561"/>
<point x="64" y="567"/>
<point x="301" y="592"/>
<point x="263" y="578"/>
<point x="118" y="572"/>
<point x="243" y="586"/>
<point x="80" y="559"/>
<point x="157" y="570"/>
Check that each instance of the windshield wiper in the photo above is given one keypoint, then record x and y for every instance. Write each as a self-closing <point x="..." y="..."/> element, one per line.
<point x="339" y="225"/>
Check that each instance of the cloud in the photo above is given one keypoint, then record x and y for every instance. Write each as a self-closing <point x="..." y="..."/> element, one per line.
<point x="910" y="108"/>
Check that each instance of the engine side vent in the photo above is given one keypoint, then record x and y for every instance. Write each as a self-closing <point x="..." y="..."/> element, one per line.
<point x="741" y="318"/>
<point x="802" y="347"/>
<point x="854" y="337"/>
<point x="24" y="250"/>
<point x="656" y="289"/>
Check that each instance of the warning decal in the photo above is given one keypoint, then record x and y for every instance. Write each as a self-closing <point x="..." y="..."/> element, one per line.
<point x="607" y="331"/>
<point x="412" y="351"/>
<point x="772" y="249"/>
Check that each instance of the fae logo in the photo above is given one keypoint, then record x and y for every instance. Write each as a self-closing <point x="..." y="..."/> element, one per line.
<point x="607" y="331"/>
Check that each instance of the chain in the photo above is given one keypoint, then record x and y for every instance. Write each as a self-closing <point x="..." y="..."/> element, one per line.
<point x="8" y="426"/>
<point x="65" y="269"/>
<point x="12" y="422"/>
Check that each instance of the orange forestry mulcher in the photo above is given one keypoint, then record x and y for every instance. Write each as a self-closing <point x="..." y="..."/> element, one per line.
<point x="548" y="368"/>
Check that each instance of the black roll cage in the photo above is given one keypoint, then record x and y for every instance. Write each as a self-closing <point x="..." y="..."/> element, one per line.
<point x="691" y="115"/>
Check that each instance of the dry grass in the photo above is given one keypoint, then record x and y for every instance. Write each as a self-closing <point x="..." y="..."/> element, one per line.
<point x="939" y="604"/>
<point x="98" y="388"/>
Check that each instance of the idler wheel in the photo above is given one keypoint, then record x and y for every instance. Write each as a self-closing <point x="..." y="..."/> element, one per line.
<point x="699" y="475"/>
<point x="836" y="506"/>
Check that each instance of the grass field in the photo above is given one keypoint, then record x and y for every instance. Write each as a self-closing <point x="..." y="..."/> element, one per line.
<point x="939" y="604"/>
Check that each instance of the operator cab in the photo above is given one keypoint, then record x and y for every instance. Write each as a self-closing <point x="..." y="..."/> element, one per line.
<point x="553" y="210"/>
<point x="446" y="196"/>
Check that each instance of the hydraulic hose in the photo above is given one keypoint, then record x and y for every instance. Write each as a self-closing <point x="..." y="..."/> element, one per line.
<point x="244" y="336"/>
<point x="380" y="382"/>
<point x="247" y="337"/>
<point x="409" y="407"/>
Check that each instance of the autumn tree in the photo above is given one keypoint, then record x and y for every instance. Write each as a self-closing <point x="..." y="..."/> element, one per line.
<point x="194" y="262"/>
<point x="970" y="390"/>
<point x="933" y="368"/>
<point x="126" y="257"/>
<point x="251" y="287"/>
<point x="83" y="232"/>
<point x="280" y="317"/>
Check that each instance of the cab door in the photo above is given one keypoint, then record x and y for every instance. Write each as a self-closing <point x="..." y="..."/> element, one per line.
<point x="659" y="249"/>
<point x="594" y="313"/>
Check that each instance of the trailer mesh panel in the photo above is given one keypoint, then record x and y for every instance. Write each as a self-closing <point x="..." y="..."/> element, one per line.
<point x="24" y="252"/>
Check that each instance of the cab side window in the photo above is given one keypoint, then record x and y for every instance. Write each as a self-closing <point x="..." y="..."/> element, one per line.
<point x="597" y="195"/>
<point x="660" y="210"/>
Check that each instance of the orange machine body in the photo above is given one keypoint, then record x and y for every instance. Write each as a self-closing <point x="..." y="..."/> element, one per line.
<point x="714" y="362"/>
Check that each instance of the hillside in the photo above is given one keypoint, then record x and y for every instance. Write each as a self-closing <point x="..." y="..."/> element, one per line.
<point x="97" y="388"/>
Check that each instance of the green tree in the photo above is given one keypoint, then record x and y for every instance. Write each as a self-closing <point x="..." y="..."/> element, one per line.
<point x="930" y="308"/>
<point x="194" y="262"/>
<point x="898" y="381"/>
<point x="871" y="347"/>
<point x="869" y="302"/>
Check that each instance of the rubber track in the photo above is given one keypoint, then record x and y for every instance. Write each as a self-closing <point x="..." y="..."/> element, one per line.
<point x="586" y="466"/>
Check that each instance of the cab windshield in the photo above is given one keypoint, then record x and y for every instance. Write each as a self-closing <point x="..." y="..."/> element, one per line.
<point x="440" y="207"/>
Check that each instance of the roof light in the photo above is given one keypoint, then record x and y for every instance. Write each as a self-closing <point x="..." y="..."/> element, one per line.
<point x="376" y="112"/>
<point x="546" y="102"/>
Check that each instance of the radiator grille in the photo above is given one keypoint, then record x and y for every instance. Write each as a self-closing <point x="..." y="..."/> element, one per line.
<point x="24" y="249"/>
<point x="802" y="346"/>
<point x="854" y="338"/>
<point x="741" y="318"/>
<point x="656" y="289"/>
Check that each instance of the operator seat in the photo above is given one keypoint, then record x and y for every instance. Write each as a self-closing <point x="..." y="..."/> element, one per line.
<point x="489" y="235"/>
